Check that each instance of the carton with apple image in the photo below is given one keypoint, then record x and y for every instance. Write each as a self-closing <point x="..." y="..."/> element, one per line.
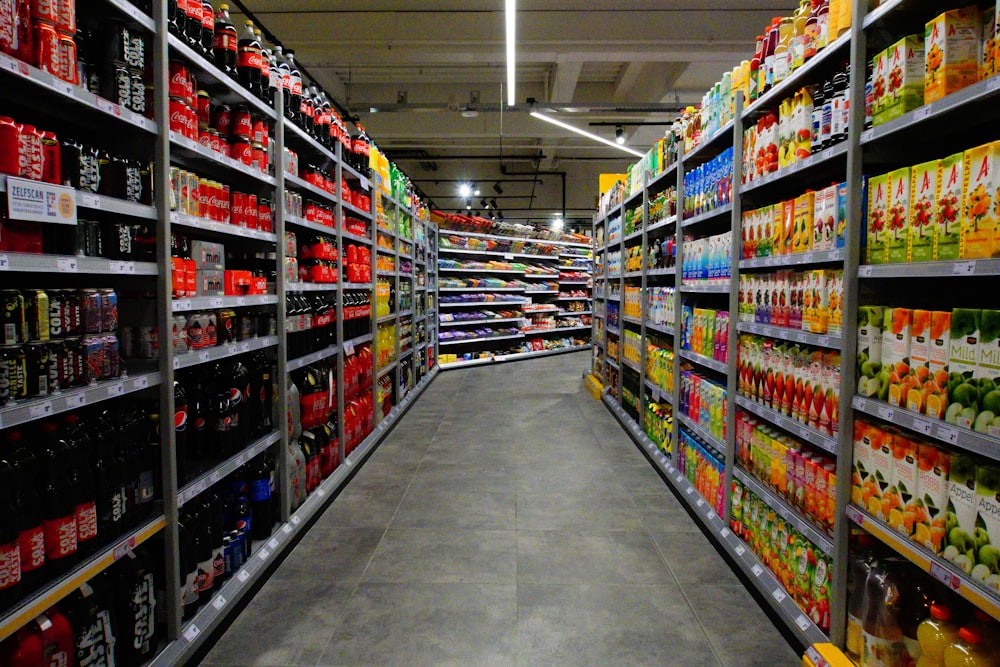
<point x="988" y="374"/>
<point x="937" y="363"/>
<point x="880" y="86"/>
<point x="987" y="568"/>
<point x="933" y="463"/>
<point x="841" y="215"/>
<point x="905" y="76"/>
<point x="923" y="209"/>
<point x="871" y="381"/>
<point x="896" y="337"/>
<point x="960" y="519"/>
<point x="963" y="352"/>
<point x="950" y="205"/>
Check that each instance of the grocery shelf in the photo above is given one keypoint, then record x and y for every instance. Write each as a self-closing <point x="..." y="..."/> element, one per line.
<point x="655" y="181"/>
<point x="478" y="235"/>
<point x="515" y="356"/>
<point x="317" y="227"/>
<point x="481" y="303"/>
<point x="936" y="566"/>
<point x="95" y="202"/>
<point x="353" y="173"/>
<point x="799" y="166"/>
<point x="707" y="362"/>
<point x="220" y="78"/>
<point x="632" y="320"/>
<point x="772" y="592"/>
<point x="707" y="287"/>
<point x="702" y="433"/>
<point x="632" y="274"/>
<point x="661" y="328"/>
<point x="793" y="426"/>
<point x="357" y="285"/>
<point x="57" y="589"/>
<point x="613" y="330"/>
<point x="660" y="224"/>
<point x="205" y="155"/>
<point x="574" y="282"/>
<point x="386" y="274"/>
<point x="612" y="362"/>
<point x="570" y="313"/>
<point x="25" y="262"/>
<point x="134" y="13"/>
<point x="21" y="412"/>
<point x="196" y="357"/>
<point x="299" y="136"/>
<point x="794" y="335"/>
<point x="405" y="353"/>
<point x="815" y="535"/>
<point x="631" y="364"/>
<point x="291" y="180"/>
<point x="388" y="367"/>
<point x="348" y="236"/>
<point x="482" y="339"/>
<point x="310" y="287"/>
<point x="285" y="535"/>
<point x="462" y="323"/>
<point x="193" y="222"/>
<point x="928" y="427"/>
<point x="880" y="12"/>
<point x="490" y="253"/>
<point x="406" y="313"/>
<point x="580" y="327"/>
<point x="572" y="298"/>
<point x="481" y="289"/>
<point x="659" y="393"/>
<point x="961" y="267"/>
<point x="796" y="259"/>
<point x="626" y="201"/>
<point x="633" y="235"/>
<point x="464" y="363"/>
<point x="210" y="302"/>
<point x="710" y="143"/>
<point x="211" y="477"/>
<point x="544" y="291"/>
<point x="382" y="319"/>
<point x="349" y="344"/>
<point x="351" y="208"/>
<point x="445" y="269"/>
<point x="670" y="271"/>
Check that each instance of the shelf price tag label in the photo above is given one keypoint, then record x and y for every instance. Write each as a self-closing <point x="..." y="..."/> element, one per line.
<point x="922" y="426"/>
<point x="40" y="410"/>
<point x="886" y="413"/>
<point x="858" y="403"/>
<point x="76" y="400"/>
<point x="945" y="576"/>
<point x="219" y="602"/>
<point x="89" y="199"/>
<point x="700" y="502"/>
<point x="4" y="262"/>
<point x="182" y="304"/>
<point x="948" y="434"/>
<point x="724" y="532"/>
<point x="757" y="570"/>
<point x="740" y="550"/>
<point x="321" y="492"/>
<point x="273" y="543"/>
<point x="296" y="519"/>
<point x="855" y="515"/>
<point x="778" y="595"/>
<point x="967" y="268"/>
<point x="286" y="529"/>
<point x="117" y="389"/>
<point x="865" y="271"/>
<point x="867" y="135"/>
<point x="923" y="112"/>
<point x="191" y="632"/>
<point x="215" y="302"/>
<point x="66" y="264"/>
<point x="243" y="576"/>
<point x="264" y="554"/>
<point x="803" y="624"/>
<point x="349" y="347"/>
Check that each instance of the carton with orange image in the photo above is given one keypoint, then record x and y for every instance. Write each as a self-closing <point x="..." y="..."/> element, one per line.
<point x="933" y="464"/>
<point x="937" y="363"/>
<point x="980" y="228"/>
<point x="951" y="52"/>
<point x="898" y="327"/>
<point x="904" y="481"/>
<point x="920" y="341"/>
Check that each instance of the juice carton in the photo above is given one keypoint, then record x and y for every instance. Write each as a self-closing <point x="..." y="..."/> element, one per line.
<point x="788" y="226"/>
<point x="920" y="351"/>
<point x="980" y="229"/>
<point x="898" y="328"/>
<point x="937" y="363"/>
<point x="898" y="218"/>
<point x="950" y="207"/>
<point x="803" y="223"/>
<point x="988" y="373"/>
<point x="841" y="239"/>
<point x="987" y="569"/>
<point x="873" y="380"/>
<point x="932" y="463"/>
<point x="903" y="486"/>
<point x="987" y="59"/>
<point x="821" y="302"/>
<point x="963" y="354"/>
<point x="825" y="219"/>
<point x="835" y="296"/>
<point x="802" y="123"/>
<point x="881" y="458"/>
<point x="831" y="380"/>
<point x="861" y="481"/>
<point x="786" y="150"/>
<point x="773" y="214"/>
<point x="951" y="47"/>
<point x="960" y="519"/>
<point x="924" y="179"/>
<point x="905" y="76"/>
<point x="880" y="86"/>
<point x="878" y="211"/>
<point x="815" y="396"/>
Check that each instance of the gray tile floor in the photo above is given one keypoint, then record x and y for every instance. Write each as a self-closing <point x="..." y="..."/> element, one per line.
<point x="508" y="520"/>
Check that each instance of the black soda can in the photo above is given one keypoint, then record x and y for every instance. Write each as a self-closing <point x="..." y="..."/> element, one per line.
<point x="12" y="314"/>
<point x="109" y="310"/>
<point x="90" y="311"/>
<point x="112" y="358"/>
<point x="72" y="372"/>
<point x="57" y="364"/>
<point x="72" y="314"/>
<point x="12" y="373"/>
<point x="36" y="355"/>
<point x="57" y="326"/>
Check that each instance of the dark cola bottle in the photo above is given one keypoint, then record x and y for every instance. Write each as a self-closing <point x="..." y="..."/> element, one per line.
<point x="10" y="551"/>
<point x="207" y="34"/>
<point x="57" y="502"/>
<point x="177" y="17"/>
<point x="28" y="508"/>
<point x="225" y="42"/>
<point x="293" y="103"/>
<point x="134" y="584"/>
<point x="239" y="394"/>
<point x="181" y="432"/>
<point x="193" y="29"/>
<point x="261" y="400"/>
<point x="261" y="508"/>
<point x="248" y="61"/>
<point x="84" y="483"/>
<point x="188" y="573"/>
<point x="89" y="610"/>
<point x="109" y="478"/>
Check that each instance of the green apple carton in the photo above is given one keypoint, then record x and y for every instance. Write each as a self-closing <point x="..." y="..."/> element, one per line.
<point x="950" y="204"/>
<point x="872" y="381"/>
<point x="960" y="520"/>
<point x="924" y="180"/>
<point x="988" y="373"/>
<point x="963" y="356"/>
<point x="898" y="218"/>
<point x="905" y="76"/>
<point x="878" y="212"/>
<point x="987" y="568"/>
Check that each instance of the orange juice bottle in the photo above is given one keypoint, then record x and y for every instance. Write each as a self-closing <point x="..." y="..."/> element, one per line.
<point x="934" y="634"/>
<point x="968" y="650"/>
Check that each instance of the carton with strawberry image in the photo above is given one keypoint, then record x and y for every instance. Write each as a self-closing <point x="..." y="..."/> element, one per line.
<point x="841" y="238"/>
<point x="924" y="180"/>
<point x="980" y="229"/>
<point x="878" y="212"/>
<point x="898" y="218"/>
<point x="905" y="77"/>
<point x="933" y="465"/>
<point x="951" y="52"/>
<point x="896" y="354"/>
<point x="987" y="60"/>
<point x="950" y="208"/>
<point x="835" y="295"/>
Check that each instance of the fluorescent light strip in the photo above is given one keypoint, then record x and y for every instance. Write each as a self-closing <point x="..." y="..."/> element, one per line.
<point x="511" y="7"/>
<point x="549" y="119"/>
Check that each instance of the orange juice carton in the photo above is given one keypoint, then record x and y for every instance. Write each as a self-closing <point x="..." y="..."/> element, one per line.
<point x="786" y="149"/>
<point x="802" y="123"/>
<point x="821" y="302"/>
<point x="937" y="363"/>
<point x="881" y="454"/>
<point x="963" y="354"/>
<point x="880" y="86"/>
<point x="932" y="489"/>
<point x="980" y="229"/>
<point x="825" y="219"/>
<point x="777" y="228"/>
<point x="873" y="380"/>
<point x="987" y="54"/>
<point x="988" y="373"/>
<point x="951" y="52"/>
<point x="920" y="350"/>
<point x="950" y="208"/>
<point x="803" y="224"/>
<point x="835" y="297"/>
<point x="987" y="568"/>
<point x="861" y="464"/>
<point x="905" y="76"/>
<point x="877" y="224"/>
<point x="903" y="485"/>
<point x="924" y="180"/>
<point x="829" y="411"/>
<point x="960" y="520"/>
<point x="898" y="218"/>
<point x="898" y="327"/>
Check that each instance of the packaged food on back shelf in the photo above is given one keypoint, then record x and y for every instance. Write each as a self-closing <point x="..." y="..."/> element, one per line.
<point x="704" y="468"/>
<point x="813" y="221"/>
<point x="809" y="300"/>
<point x="709" y="186"/>
<point x="707" y="259"/>
<point x="660" y="366"/>
<point x="659" y="425"/>
<point x="661" y="306"/>
<point x="631" y="346"/>
<point x="632" y="302"/>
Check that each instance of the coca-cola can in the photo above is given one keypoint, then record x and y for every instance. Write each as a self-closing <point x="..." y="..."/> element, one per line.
<point x="111" y="363"/>
<point x="204" y="138"/>
<point x="258" y="159"/>
<point x="225" y="214"/>
<point x="90" y="310"/>
<point x="12" y="373"/>
<point x="92" y="356"/>
<point x="109" y="310"/>
<point x="204" y="109"/>
<point x="45" y="44"/>
<point x="68" y="71"/>
<point x="240" y="151"/>
<point x="30" y="154"/>
<point x="221" y="118"/>
<point x="241" y="124"/>
<point x="178" y="80"/>
<point x="264" y="215"/>
<point x="57" y="349"/>
<point x="10" y="161"/>
<point x="211" y="330"/>
<point x="250" y="213"/>
<point x="204" y="194"/>
<point x="36" y="360"/>
<point x="195" y="331"/>
<point x="43" y="10"/>
<point x="238" y="215"/>
<point x="215" y="143"/>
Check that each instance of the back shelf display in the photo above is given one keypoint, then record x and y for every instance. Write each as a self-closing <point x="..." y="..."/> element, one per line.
<point x="811" y="301"/>
<point x="811" y="222"/>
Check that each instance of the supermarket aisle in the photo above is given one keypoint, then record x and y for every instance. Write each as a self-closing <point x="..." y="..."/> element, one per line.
<point x="508" y="520"/>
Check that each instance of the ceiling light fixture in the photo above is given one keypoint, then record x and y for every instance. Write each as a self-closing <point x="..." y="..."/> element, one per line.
<point x="511" y="16"/>
<point x="549" y="119"/>
<point x="620" y="135"/>
<point x="465" y="190"/>
<point x="483" y="203"/>
<point x="497" y="189"/>
<point x="493" y="203"/>
<point x="475" y="189"/>
<point x="557" y="224"/>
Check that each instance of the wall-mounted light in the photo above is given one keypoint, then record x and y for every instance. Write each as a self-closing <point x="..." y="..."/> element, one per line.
<point x="620" y="135"/>
<point x="475" y="189"/>
<point x="483" y="203"/>
<point x="493" y="203"/>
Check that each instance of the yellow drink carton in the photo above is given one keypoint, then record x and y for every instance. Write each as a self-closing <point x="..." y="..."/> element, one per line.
<point x="835" y="296"/>
<point x="821" y="302"/>
<point x="920" y="352"/>
<point x="980" y="229"/>
<point x="950" y="206"/>
<point x="802" y="124"/>
<point x="933" y="465"/>
<point x="878" y="212"/>
<point x="951" y="52"/>
<point x="880" y="86"/>
<point x="905" y="77"/>
<point x="987" y="58"/>
<point x="803" y="224"/>
<point x="937" y="363"/>
<point x="963" y="354"/>
<point x="861" y="464"/>
<point x="778" y="231"/>
<point x="898" y="219"/>
<point x="897" y="336"/>
<point x="786" y="148"/>
<point x="924" y="179"/>
<point x="903" y="489"/>
<point x="988" y="373"/>
<point x="960" y="520"/>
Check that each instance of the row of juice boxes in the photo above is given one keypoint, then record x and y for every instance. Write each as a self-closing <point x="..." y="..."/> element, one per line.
<point x="632" y="302"/>
<point x="631" y="345"/>
<point x="939" y="210"/>
<point x="704" y="401"/>
<point x="661" y="309"/>
<point x="659" y="425"/>
<point x="707" y="258"/>
<point x="705" y="332"/>
<point x="710" y="185"/>
<point x="946" y="501"/>
<point x="802" y="300"/>
<point x="703" y="467"/>
<point x="813" y="221"/>
<point x="660" y="367"/>
<point x="799" y="381"/>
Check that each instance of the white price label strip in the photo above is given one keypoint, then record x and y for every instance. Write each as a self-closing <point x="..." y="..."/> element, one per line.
<point x="243" y="576"/>
<point x="757" y="570"/>
<point x="263" y="553"/>
<point x="963" y="268"/>
<point x="855" y="515"/>
<point x="76" y="400"/>
<point x="923" y="426"/>
<point x="802" y="622"/>
<point x="66" y="264"/>
<point x="117" y="389"/>
<point x="40" y="410"/>
<point x="724" y="532"/>
<point x="700" y="502"/>
<point x="273" y="543"/>
<point x="219" y="602"/>
<point x="4" y="262"/>
<point x="778" y="595"/>
<point x="885" y="413"/>
<point x="286" y="529"/>
<point x="740" y="550"/>
<point x="89" y="200"/>
<point x="296" y="519"/>
<point x="948" y="434"/>
<point x="191" y="632"/>
<point x="945" y="576"/>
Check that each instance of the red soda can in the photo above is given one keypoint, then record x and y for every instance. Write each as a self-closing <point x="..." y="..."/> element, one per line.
<point x="264" y="215"/>
<point x="204" y="196"/>
<point x="204" y="139"/>
<point x="259" y="131"/>
<point x="221" y="118"/>
<point x="51" y="158"/>
<point x="239" y="209"/>
<point x="240" y="151"/>
<point x="10" y="160"/>
<point x="178" y="80"/>
<point x="67" y="59"/>
<point x="215" y="201"/>
<point x="213" y="139"/>
<point x="250" y="213"/>
<point x="191" y="122"/>
<point x="257" y="157"/>
<point x="241" y="123"/>
<point x="65" y="15"/>
<point x="8" y="28"/>
<point x="224" y="214"/>
<point x="43" y="10"/>
<point x="178" y="115"/>
<point x="45" y="41"/>
<point x="204" y="109"/>
<point x="29" y="147"/>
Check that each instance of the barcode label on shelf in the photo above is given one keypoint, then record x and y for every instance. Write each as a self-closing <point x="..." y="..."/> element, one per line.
<point x="945" y="576"/>
<point x="123" y="548"/>
<point x="182" y="304"/>
<point x="778" y="595"/>
<point x="40" y="410"/>
<point x="243" y="347"/>
<point x="757" y="570"/>
<point x="204" y="356"/>
<point x="885" y="412"/>
<point x="724" y="532"/>
<point x="802" y="622"/>
<point x="286" y="529"/>
<point x="62" y="87"/>
<point x="263" y="553"/>
<point x="191" y="632"/>
<point x="89" y="200"/>
<point x="740" y="550"/>
<point x="67" y="264"/>
<point x="243" y="576"/>
<point x="273" y="543"/>
<point x="349" y="347"/>
<point x="124" y="268"/>
<point x="963" y="268"/>
<point x="855" y="515"/>
<point x="867" y="135"/>
<point x="219" y="602"/>
<point x="296" y="519"/>
<point x="700" y="502"/>
<point x="857" y="403"/>
<point x="215" y="302"/>
<point x="690" y="490"/>
<point x="321" y="492"/>
<point x="108" y="107"/>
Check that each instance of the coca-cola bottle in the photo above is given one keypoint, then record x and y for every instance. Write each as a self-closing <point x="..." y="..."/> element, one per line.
<point x="207" y="34"/>
<point x="284" y="75"/>
<point x="248" y="63"/>
<point x="307" y="110"/>
<point x="264" y="90"/>
<point x="10" y="550"/>
<point x="177" y="17"/>
<point x="28" y="508"/>
<point x="84" y="483"/>
<point x="181" y="431"/>
<point x="193" y="30"/>
<point x="135" y="607"/>
<point x="147" y="462"/>
<point x="293" y="103"/>
<point x="224" y="45"/>
<point x="89" y="612"/>
<point x="274" y="76"/>
<point x="261" y="508"/>
<point x="58" y="508"/>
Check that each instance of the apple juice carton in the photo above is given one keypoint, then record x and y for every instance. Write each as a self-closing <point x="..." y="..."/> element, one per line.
<point x="951" y="52"/>
<point x="924" y="179"/>
<point x="937" y="363"/>
<point x="841" y="238"/>
<point x="988" y="374"/>
<point x="932" y="487"/>
<point x="871" y="379"/>
<point x="878" y="212"/>
<point x="898" y="328"/>
<point x="903" y="485"/>
<point x="905" y="76"/>
<point x="963" y="354"/>
<point x="950" y="208"/>
<point x="803" y="223"/>
<point x="898" y="218"/>
<point x="960" y="519"/>
<point x="835" y="296"/>
<point x="980" y="229"/>
<point x="987" y="567"/>
<point x="880" y="86"/>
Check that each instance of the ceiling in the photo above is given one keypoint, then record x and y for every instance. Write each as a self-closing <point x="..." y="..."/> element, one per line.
<point x="409" y="70"/>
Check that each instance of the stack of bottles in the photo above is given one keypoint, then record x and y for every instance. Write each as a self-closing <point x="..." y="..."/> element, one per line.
<point x="709" y="186"/>
<point x="799" y="381"/>
<point x="706" y="332"/>
<point x="310" y="323"/>
<point x="386" y="344"/>
<point x="813" y="221"/>
<point x="704" y="468"/>
<point x="707" y="259"/>
<point x="663" y="206"/>
<point x="385" y="305"/>
<point x="631" y="346"/>
<point x="658" y="424"/>
<point x="803" y="300"/>
<point x="359" y="411"/>
<point x="704" y="402"/>
<point x="661" y="309"/>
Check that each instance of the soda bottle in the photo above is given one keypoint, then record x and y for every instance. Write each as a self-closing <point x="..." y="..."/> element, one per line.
<point x="248" y="64"/>
<point x="192" y="31"/>
<point x="283" y="76"/>
<point x="147" y="448"/>
<point x="306" y="110"/>
<point x="84" y="483"/>
<point x="883" y="636"/>
<point x="109" y="477"/>
<point x="239" y="396"/>
<point x="58" y="507"/>
<point x="130" y="475"/>
<point x="969" y="650"/>
<point x="177" y="17"/>
<point x="211" y="508"/>
<point x="225" y="44"/>
<point x="181" y="431"/>
<point x="10" y="551"/>
<point x="189" y="595"/>
<point x="57" y="638"/>
<point x="201" y="538"/>
<point x="25" y="648"/>
<point x="31" y="533"/>
<point x="293" y="102"/>
<point x="221" y="423"/>
<point x="199" y="418"/>
<point x="261" y="398"/>
<point x="297" y="472"/>
<point x="261" y="511"/>
<point x="89" y="612"/>
<point x="273" y="77"/>
<point x="135" y="607"/>
<point x="207" y="33"/>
